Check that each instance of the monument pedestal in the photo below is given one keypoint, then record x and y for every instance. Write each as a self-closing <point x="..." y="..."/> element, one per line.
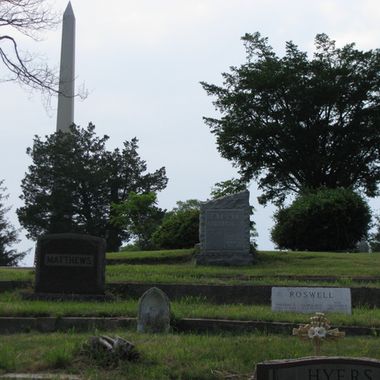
<point x="224" y="258"/>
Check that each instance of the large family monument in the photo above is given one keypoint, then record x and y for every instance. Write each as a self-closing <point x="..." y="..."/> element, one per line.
<point x="224" y="231"/>
<point x="70" y="264"/>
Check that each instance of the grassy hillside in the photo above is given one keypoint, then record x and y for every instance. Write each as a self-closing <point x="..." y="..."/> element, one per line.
<point x="268" y="265"/>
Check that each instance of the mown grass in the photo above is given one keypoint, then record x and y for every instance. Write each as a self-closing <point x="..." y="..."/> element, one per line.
<point x="11" y="304"/>
<point x="279" y="263"/>
<point x="132" y="255"/>
<point x="169" y="356"/>
<point x="8" y="274"/>
<point x="344" y="266"/>
<point x="269" y="264"/>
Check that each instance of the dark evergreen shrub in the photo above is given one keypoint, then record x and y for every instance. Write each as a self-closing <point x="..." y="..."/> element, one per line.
<point x="179" y="229"/>
<point x="325" y="220"/>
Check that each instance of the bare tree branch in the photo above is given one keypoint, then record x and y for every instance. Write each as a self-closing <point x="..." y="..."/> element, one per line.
<point x="31" y="18"/>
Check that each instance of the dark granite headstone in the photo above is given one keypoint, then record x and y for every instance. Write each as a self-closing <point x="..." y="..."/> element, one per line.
<point x="319" y="368"/>
<point x="70" y="264"/>
<point x="224" y="231"/>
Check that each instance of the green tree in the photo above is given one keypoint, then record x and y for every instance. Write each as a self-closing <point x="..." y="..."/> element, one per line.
<point x="180" y="227"/>
<point x="325" y="220"/>
<point x="8" y="235"/>
<point x="295" y="123"/>
<point x="73" y="181"/>
<point x="228" y="187"/>
<point x="139" y="216"/>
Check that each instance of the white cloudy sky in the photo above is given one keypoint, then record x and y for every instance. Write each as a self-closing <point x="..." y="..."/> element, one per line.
<point x="142" y="61"/>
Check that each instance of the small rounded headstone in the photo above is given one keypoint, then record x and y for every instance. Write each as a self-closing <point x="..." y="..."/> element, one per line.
<point x="154" y="312"/>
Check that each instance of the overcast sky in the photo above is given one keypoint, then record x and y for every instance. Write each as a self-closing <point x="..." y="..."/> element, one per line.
<point x="142" y="61"/>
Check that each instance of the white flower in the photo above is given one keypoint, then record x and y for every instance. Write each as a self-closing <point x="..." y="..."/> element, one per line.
<point x="311" y="333"/>
<point x="317" y="332"/>
<point x="320" y="332"/>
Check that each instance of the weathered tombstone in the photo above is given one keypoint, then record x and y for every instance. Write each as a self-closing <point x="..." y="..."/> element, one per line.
<point x="70" y="264"/>
<point x="362" y="246"/>
<point x="311" y="299"/>
<point x="224" y="231"/>
<point x="154" y="312"/>
<point x="319" y="368"/>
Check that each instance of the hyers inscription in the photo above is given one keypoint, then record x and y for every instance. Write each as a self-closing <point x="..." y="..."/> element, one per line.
<point x="325" y="374"/>
<point x="319" y="368"/>
<point x="340" y="374"/>
<point x="67" y="260"/>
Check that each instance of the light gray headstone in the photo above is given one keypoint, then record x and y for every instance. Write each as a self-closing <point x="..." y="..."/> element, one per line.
<point x="312" y="299"/>
<point x="363" y="246"/>
<point x="154" y="312"/>
<point x="224" y="231"/>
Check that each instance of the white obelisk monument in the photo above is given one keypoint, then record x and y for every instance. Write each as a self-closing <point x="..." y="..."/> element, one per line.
<point x="65" y="113"/>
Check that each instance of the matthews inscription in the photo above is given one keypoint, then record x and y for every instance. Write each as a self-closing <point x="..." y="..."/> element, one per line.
<point x="70" y="264"/>
<point x="310" y="300"/>
<point x="69" y="260"/>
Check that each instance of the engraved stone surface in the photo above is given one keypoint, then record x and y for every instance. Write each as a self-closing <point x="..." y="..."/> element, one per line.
<point x="154" y="312"/>
<point x="319" y="368"/>
<point x="311" y="299"/>
<point x="224" y="231"/>
<point x="70" y="264"/>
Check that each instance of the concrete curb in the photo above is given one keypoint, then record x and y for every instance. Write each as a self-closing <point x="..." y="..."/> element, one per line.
<point x="218" y="294"/>
<point x="230" y="294"/>
<point x="38" y="376"/>
<point x="14" y="325"/>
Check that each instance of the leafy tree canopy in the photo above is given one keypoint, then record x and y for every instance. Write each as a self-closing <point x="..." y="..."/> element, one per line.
<point x="8" y="235"/>
<point x="295" y="123"/>
<point x="228" y="187"/>
<point x="73" y="181"/>
<point x="139" y="216"/>
<point x="179" y="227"/>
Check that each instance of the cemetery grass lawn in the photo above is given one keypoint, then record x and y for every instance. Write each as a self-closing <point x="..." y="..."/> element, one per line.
<point x="171" y="356"/>
<point x="11" y="304"/>
<point x="269" y="265"/>
<point x="138" y="255"/>
<point x="19" y="274"/>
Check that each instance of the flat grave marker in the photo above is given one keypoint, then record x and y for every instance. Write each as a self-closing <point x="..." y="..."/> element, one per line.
<point x="311" y="299"/>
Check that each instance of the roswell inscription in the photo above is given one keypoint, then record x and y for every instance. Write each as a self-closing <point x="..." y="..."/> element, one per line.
<point x="311" y="299"/>
<point x="224" y="231"/>
<point x="70" y="263"/>
<point x="319" y="368"/>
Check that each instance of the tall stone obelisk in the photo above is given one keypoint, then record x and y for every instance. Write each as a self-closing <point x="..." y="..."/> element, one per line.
<point x="65" y="113"/>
